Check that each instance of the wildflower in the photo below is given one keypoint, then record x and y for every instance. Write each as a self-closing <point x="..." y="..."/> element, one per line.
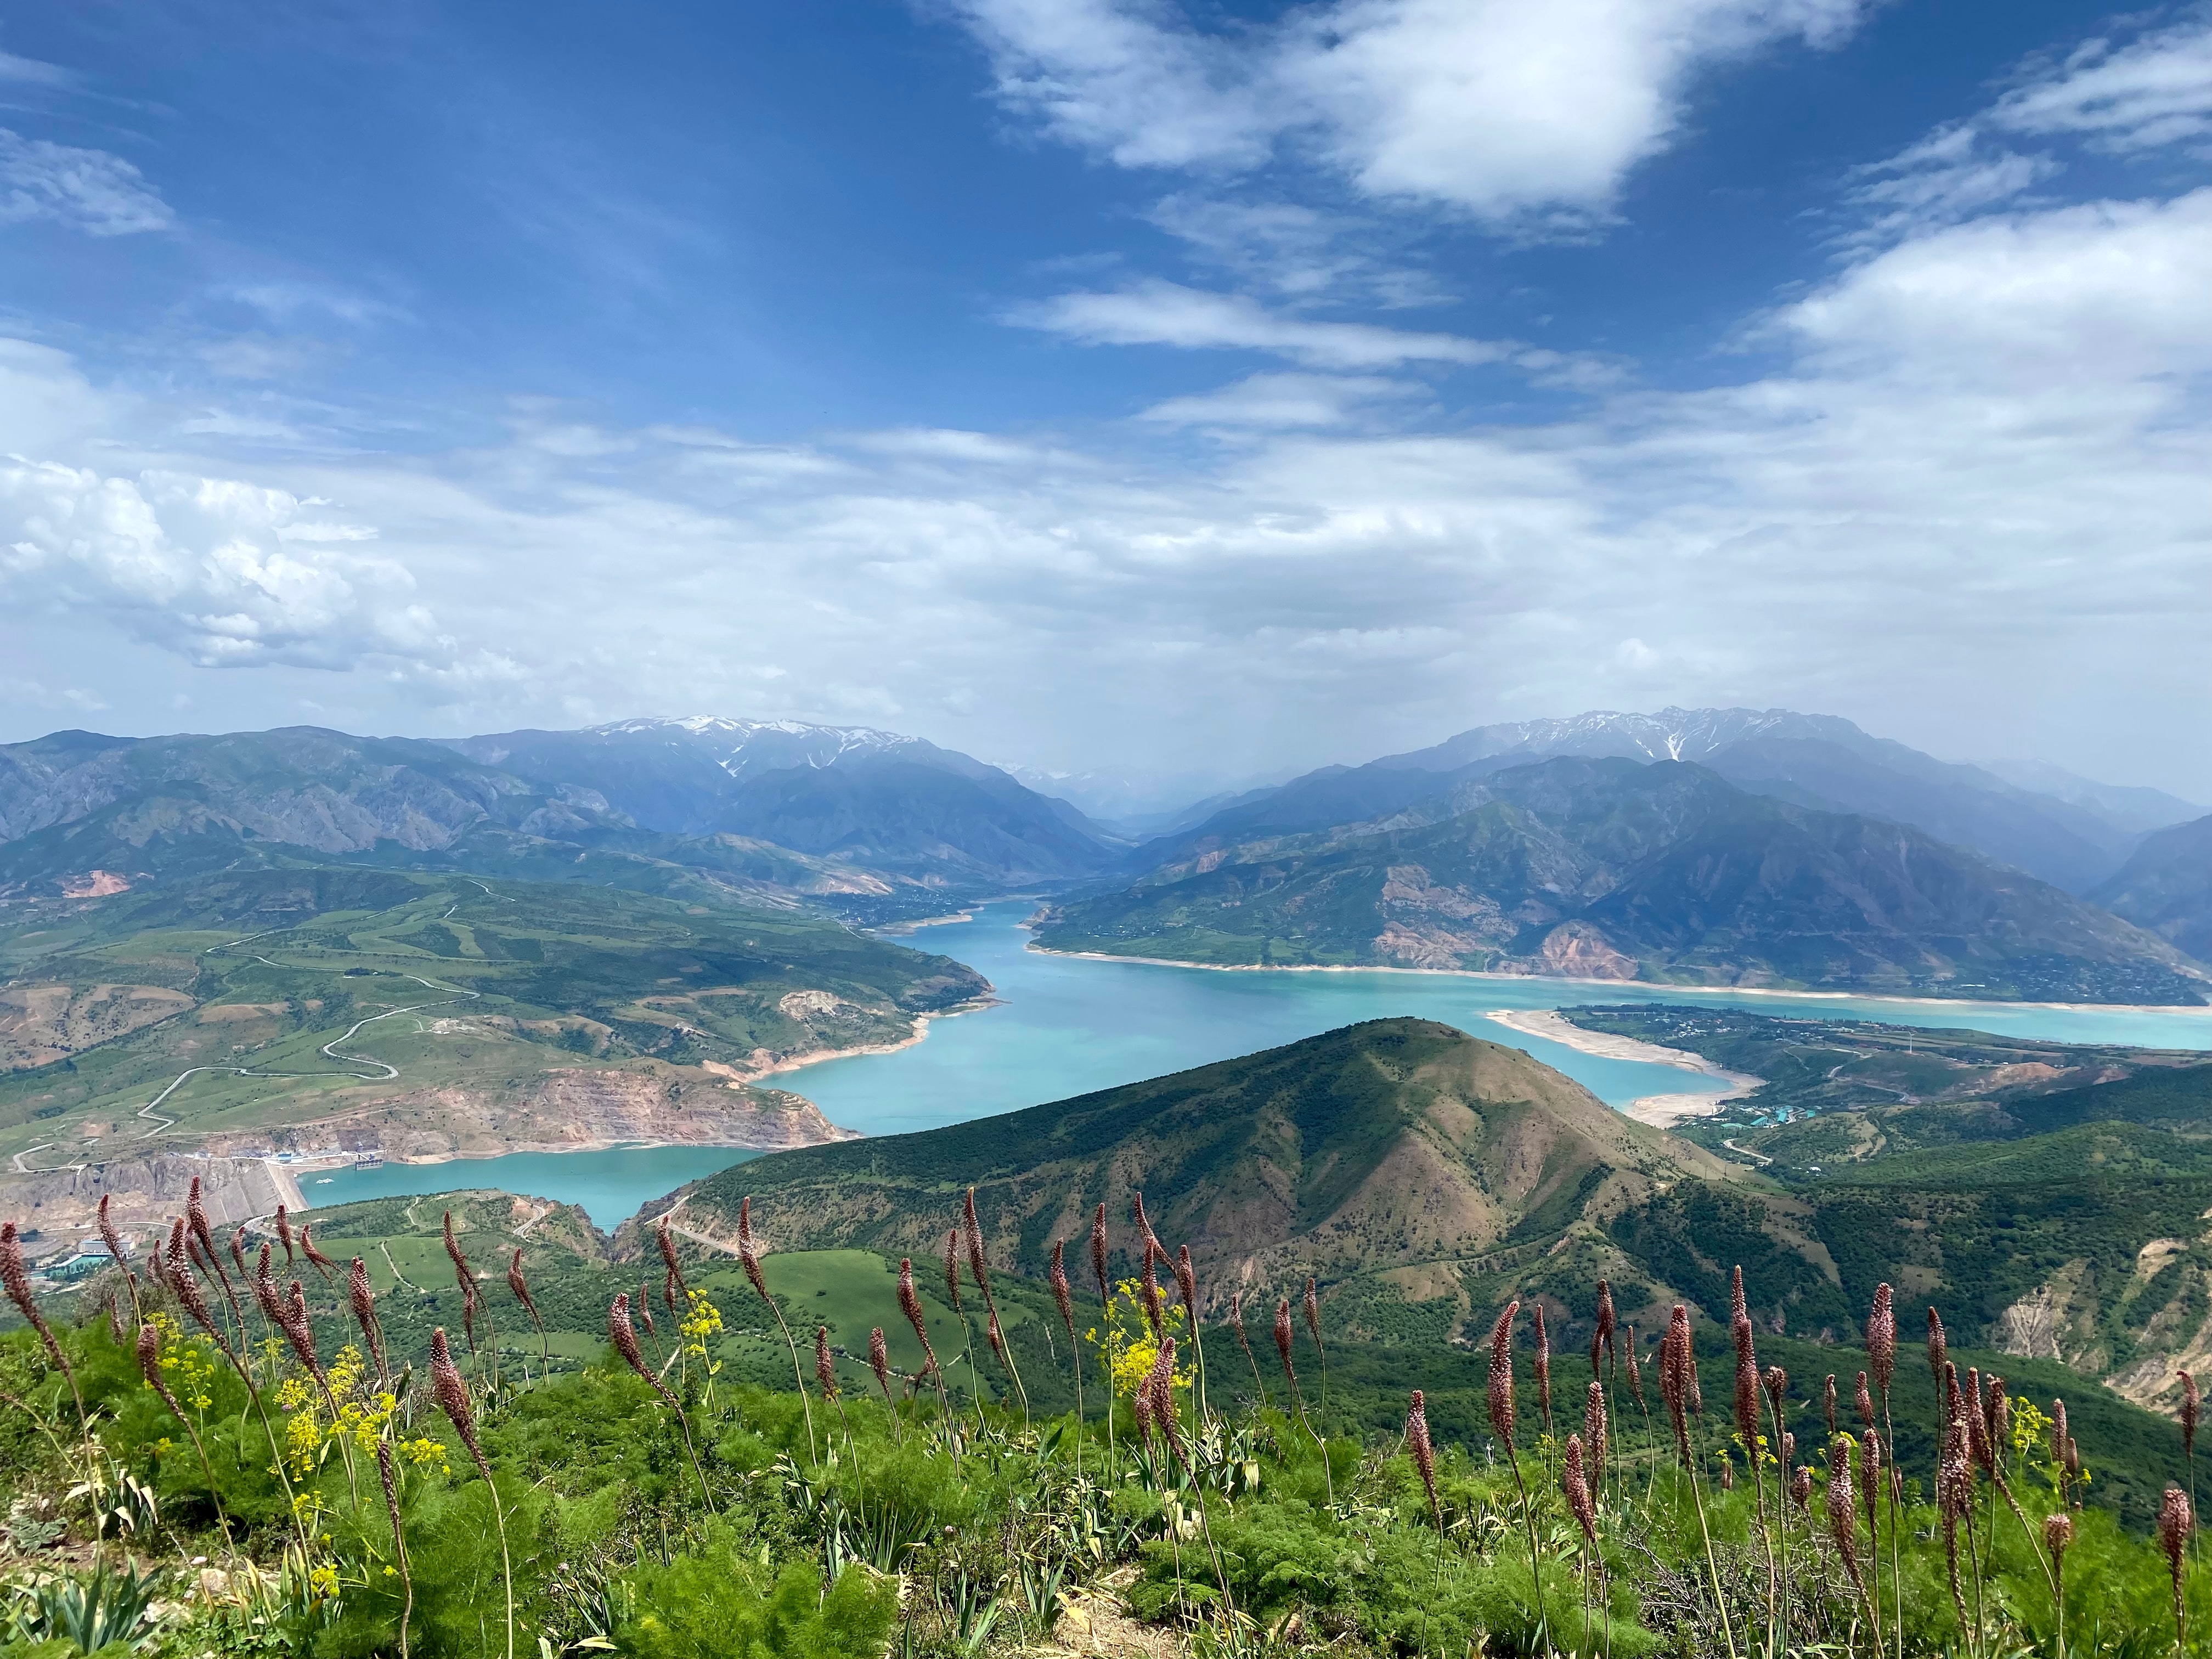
<point x="702" y="1319"/>
<point x="952" y="1269"/>
<point x="1882" y="1337"/>
<point x="301" y="1336"/>
<point x="1283" y="1341"/>
<point x="1313" y="1324"/>
<point x="452" y="1397"/>
<point x="2058" y="1534"/>
<point x="1145" y="1233"/>
<point x="187" y="1291"/>
<point x="996" y="1337"/>
<point x="1159" y="1386"/>
<point x="1099" y="1253"/>
<point x="1187" y="1283"/>
<point x="1576" y="1484"/>
<point x="196" y="1218"/>
<point x="1501" y="1377"/>
<point x="520" y="1287"/>
<point x="1801" y="1489"/>
<point x="909" y="1300"/>
<point x="1862" y="1402"/>
<point x="1635" y="1373"/>
<point x="880" y="1362"/>
<point x="1543" y="1367"/>
<point x="238" y="1249"/>
<point x="825" y="1369"/>
<point x="2175" y="1523"/>
<point x="1828" y="1402"/>
<point x="1152" y="1292"/>
<point x="623" y="1335"/>
<point x="321" y="1263"/>
<point x="1595" y="1431"/>
<point x="1236" y="1323"/>
<point x="1870" y="1455"/>
<point x="1606" y="1322"/>
<point x="1843" y="1519"/>
<point x="1422" y="1448"/>
<point x="2191" y="1407"/>
<point x="113" y="1240"/>
<point x="2059" y="1438"/>
<point x="1062" y="1297"/>
<point x="673" y="1279"/>
<point x="1996" y="1420"/>
<point x="363" y="1300"/>
<point x="643" y="1307"/>
<point x="974" y="1230"/>
<point x="265" y="1290"/>
<point x="749" y="1252"/>
<point x="1978" y="1434"/>
<point x="149" y="1367"/>
<point x="284" y="1232"/>
<point x="1937" y="1348"/>
<point x="1746" y="1382"/>
<point x="19" y="1292"/>
<point x="1677" y="1374"/>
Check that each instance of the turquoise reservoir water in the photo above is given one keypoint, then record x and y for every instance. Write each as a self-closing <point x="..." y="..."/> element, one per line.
<point x="610" y="1184"/>
<point x="1066" y="1026"/>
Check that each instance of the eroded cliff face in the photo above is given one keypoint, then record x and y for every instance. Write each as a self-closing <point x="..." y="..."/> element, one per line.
<point x="143" y="1191"/>
<point x="564" y="1110"/>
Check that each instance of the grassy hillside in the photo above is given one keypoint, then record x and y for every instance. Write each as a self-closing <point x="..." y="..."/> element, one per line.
<point x="1613" y="869"/>
<point x="1392" y="1145"/>
<point x="427" y="1014"/>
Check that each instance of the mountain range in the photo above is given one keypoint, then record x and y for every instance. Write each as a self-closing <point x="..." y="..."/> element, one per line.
<point x="1624" y="870"/>
<point x="877" y="826"/>
<point x="2075" y="835"/>
<point x="803" y="810"/>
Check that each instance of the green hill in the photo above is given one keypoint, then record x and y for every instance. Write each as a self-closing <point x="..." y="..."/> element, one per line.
<point x="1394" y="1147"/>
<point x="1611" y="869"/>
<point x="421" y="1015"/>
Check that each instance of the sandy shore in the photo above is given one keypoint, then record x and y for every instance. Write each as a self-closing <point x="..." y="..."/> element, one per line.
<point x="1660" y="1110"/>
<point x="2203" y="1010"/>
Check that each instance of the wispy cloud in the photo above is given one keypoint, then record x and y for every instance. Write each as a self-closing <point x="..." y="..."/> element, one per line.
<point x="1281" y="401"/>
<point x="1166" y="313"/>
<point x="87" y="190"/>
<point x="2155" y="90"/>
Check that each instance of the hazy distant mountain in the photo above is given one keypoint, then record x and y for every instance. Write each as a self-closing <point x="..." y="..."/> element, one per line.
<point x="808" y="810"/>
<point x="1815" y="760"/>
<point x="2166" y="887"/>
<point x="880" y="799"/>
<point x="1609" y="868"/>
<point x="2130" y="809"/>
<point x="77" y="801"/>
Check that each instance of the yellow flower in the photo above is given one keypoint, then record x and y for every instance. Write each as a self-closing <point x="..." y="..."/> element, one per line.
<point x="1129" y="1346"/>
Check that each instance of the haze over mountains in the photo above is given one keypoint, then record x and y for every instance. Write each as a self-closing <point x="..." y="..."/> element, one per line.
<point x="1716" y="845"/>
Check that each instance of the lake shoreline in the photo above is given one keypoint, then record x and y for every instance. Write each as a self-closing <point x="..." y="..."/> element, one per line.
<point x="1660" y="1111"/>
<point x="2201" y="1009"/>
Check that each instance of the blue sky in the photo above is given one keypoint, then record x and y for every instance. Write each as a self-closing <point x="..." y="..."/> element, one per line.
<point x="1127" y="383"/>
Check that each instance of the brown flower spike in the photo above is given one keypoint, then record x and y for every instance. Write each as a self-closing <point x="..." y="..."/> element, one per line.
<point x="1501" y="1377"/>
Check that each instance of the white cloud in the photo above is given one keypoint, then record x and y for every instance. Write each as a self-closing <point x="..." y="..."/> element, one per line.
<point x="1166" y="313"/>
<point x="1279" y="400"/>
<point x="87" y="190"/>
<point x="1494" y="107"/>
<point x="2155" y="90"/>
<point x="203" y="567"/>
<point x="1980" y="463"/>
